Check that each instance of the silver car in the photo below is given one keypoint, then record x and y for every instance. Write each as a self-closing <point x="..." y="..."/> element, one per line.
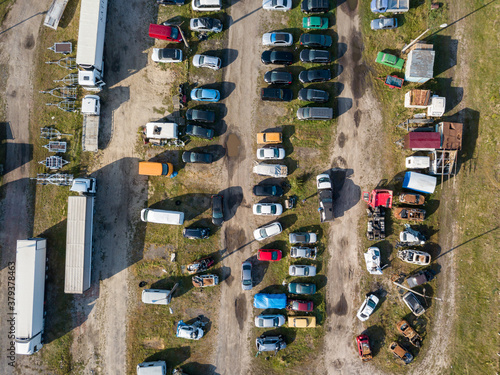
<point x="166" y="55"/>
<point x="246" y="276"/>
<point x="303" y="252"/>
<point x="277" y="38"/>
<point x="282" y="5"/>
<point x="206" y="61"/>
<point x="205" y="24"/>
<point x="269" y="321"/>
<point x="302" y="270"/>
<point x="384" y="24"/>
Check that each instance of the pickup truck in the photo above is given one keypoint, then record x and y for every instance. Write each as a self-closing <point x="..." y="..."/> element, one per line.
<point x="205" y="280"/>
<point x="390" y="6"/>
<point x="272" y="170"/>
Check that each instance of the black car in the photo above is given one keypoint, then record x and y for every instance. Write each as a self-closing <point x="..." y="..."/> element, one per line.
<point x="217" y="210"/>
<point x="315" y="75"/>
<point x="277" y="77"/>
<point x="315" y="56"/>
<point x="196" y="157"/>
<point x="313" y="95"/>
<point x="315" y="40"/>
<point x="277" y="57"/>
<point x="276" y="95"/>
<point x="199" y="131"/>
<point x="200" y="115"/>
<point x="315" y="6"/>
<point x="196" y="233"/>
<point x="170" y="2"/>
<point x="267" y="190"/>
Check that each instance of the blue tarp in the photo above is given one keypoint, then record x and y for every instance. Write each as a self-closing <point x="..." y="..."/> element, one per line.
<point x="269" y="301"/>
<point x="419" y="182"/>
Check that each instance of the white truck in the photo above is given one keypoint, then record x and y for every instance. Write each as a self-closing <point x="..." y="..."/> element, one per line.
<point x="29" y="298"/>
<point x="272" y="170"/>
<point x="84" y="186"/>
<point x="390" y="6"/>
<point x="90" y="47"/>
<point x="91" y="110"/>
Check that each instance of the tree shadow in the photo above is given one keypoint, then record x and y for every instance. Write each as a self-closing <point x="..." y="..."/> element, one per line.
<point x="259" y="269"/>
<point x="68" y="14"/>
<point x="193" y="205"/>
<point x="111" y="100"/>
<point x="196" y="368"/>
<point x="185" y="285"/>
<point x="288" y="221"/>
<point x="217" y="151"/>
<point x="172" y="356"/>
<point x="377" y="337"/>
<point x="446" y="48"/>
<point x="343" y="105"/>
<point x="233" y="196"/>
<point x="17" y="155"/>
<point x="346" y="193"/>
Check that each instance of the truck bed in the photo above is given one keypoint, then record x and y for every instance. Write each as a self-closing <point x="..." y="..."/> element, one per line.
<point x="90" y="133"/>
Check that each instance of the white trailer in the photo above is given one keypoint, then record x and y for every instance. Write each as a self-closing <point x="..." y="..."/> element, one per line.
<point x="91" y="110"/>
<point x="79" y="244"/>
<point x="30" y="292"/>
<point x="90" y="47"/>
<point x="272" y="170"/>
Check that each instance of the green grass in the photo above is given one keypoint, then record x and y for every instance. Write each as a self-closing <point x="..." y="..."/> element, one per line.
<point x="4" y="9"/>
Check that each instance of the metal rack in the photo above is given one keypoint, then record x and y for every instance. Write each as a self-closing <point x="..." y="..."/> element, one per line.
<point x="67" y="105"/>
<point x="54" y="162"/>
<point x="60" y="179"/>
<point x="66" y="92"/>
<point x="52" y="133"/>
<point x="66" y="63"/>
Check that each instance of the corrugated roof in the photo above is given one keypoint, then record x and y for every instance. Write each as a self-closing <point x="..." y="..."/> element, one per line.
<point x="420" y="97"/>
<point x="78" y="244"/>
<point x="452" y="135"/>
<point x="420" y="64"/>
<point x="423" y="140"/>
<point x="30" y="286"/>
<point x="92" y="24"/>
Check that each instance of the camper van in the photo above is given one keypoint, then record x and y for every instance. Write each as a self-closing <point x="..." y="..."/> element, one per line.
<point x="150" y="215"/>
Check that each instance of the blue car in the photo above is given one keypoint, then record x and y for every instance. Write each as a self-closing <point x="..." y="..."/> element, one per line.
<point x="205" y="95"/>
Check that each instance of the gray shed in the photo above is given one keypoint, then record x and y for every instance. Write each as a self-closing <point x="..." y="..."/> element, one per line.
<point x="79" y="244"/>
<point x="420" y="63"/>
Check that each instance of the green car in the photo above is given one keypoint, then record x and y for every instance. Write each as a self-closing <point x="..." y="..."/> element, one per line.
<point x="390" y="60"/>
<point x="315" y="23"/>
<point x="301" y="288"/>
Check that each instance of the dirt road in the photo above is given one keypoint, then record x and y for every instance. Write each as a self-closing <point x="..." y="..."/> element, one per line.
<point x="18" y="43"/>
<point x="355" y="153"/>
<point x="232" y="356"/>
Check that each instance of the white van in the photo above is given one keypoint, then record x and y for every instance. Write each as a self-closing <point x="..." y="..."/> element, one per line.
<point x="151" y="215"/>
<point x="206" y="5"/>
<point x="156" y="296"/>
<point x="149" y="368"/>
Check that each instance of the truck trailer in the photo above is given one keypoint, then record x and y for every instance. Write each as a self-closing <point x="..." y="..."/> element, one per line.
<point x="79" y="244"/>
<point x="30" y="293"/>
<point x="90" y="47"/>
<point x="91" y="110"/>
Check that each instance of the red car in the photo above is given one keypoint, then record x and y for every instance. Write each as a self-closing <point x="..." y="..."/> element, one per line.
<point x="297" y="305"/>
<point x="269" y="254"/>
<point x="364" y="347"/>
<point x="172" y="34"/>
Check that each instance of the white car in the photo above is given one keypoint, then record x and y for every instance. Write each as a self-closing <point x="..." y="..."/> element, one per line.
<point x="269" y="321"/>
<point x="190" y="332"/>
<point x="271" y="153"/>
<point x="323" y="181"/>
<point x="166" y="55"/>
<point x="205" y="24"/>
<point x="267" y="231"/>
<point x="274" y="209"/>
<point x="303" y="252"/>
<point x="367" y="307"/>
<point x="296" y="270"/>
<point x="206" y="61"/>
<point x="372" y="259"/>
<point x="282" y="5"/>
<point x="277" y="39"/>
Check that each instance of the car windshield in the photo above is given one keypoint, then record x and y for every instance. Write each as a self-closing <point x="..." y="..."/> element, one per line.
<point x="276" y="153"/>
<point x="371" y="304"/>
<point x="174" y="32"/>
<point x="199" y="93"/>
<point x="273" y="209"/>
<point x="324" y="179"/>
<point x="247" y="282"/>
<point x="273" y="190"/>
<point x="274" y="255"/>
<point x="263" y="233"/>
<point x="276" y="322"/>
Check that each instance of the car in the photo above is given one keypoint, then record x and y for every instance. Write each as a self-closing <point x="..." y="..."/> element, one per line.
<point x="278" y="39"/>
<point x="384" y="23"/>
<point x="273" y="209"/>
<point x="301" y="270"/>
<point x="196" y="233"/>
<point x="199" y="131"/>
<point x="303" y="252"/>
<point x="165" y="32"/>
<point x="191" y="332"/>
<point x="302" y="237"/>
<point x="205" y="24"/>
<point x="281" y="5"/>
<point x="318" y="23"/>
<point x="315" y="75"/>
<point x="206" y="61"/>
<point x="277" y="57"/>
<point x="267" y="138"/>
<point x="401" y="353"/>
<point x="166" y="55"/>
<point x="278" y="77"/>
<point x="276" y="95"/>
<point x="246" y="276"/>
<point x="270" y="343"/>
<point x="267" y="231"/>
<point x="314" y="6"/>
<point x="301" y="288"/>
<point x="368" y="307"/>
<point x="389" y="60"/>
<point x="317" y="56"/>
<point x="413" y="303"/>
<point x="269" y="321"/>
<point x="197" y="157"/>
<point x="296" y="305"/>
<point x="205" y="95"/>
<point x="315" y="40"/>
<point x="323" y="181"/>
<point x="206" y="5"/>
<point x="315" y="113"/>
<point x="217" y="209"/>
<point x="313" y="95"/>
<point x="364" y="350"/>
<point x="199" y="115"/>
<point x="326" y="205"/>
<point x="170" y="2"/>
<point x="271" y="153"/>
<point x="267" y="190"/>
<point x="301" y="321"/>
<point x="272" y="255"/>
